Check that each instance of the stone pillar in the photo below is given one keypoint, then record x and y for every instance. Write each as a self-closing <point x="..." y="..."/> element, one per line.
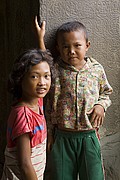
<point x="17" y="33"/>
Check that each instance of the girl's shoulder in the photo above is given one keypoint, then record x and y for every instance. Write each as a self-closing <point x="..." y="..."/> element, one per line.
<point x="19" y="108"/>
<point x="18" y="113"/>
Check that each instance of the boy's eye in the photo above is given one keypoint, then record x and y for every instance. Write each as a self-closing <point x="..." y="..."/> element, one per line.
<point x="65" y="46"/>
<point x="78" y="45"/>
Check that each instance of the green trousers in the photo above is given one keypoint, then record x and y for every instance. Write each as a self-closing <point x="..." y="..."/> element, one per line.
<point x="73" y="154"/>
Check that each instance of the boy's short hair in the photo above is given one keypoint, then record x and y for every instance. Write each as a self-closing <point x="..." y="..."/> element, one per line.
<point x="70" y="27"/>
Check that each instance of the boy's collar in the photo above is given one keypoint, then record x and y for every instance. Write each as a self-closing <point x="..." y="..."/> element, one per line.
<point x="72" y="68"/>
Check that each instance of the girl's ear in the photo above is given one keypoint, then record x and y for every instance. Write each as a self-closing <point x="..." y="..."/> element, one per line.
<point x="57" y="47"/>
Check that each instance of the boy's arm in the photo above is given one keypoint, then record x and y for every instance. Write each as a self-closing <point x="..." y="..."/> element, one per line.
<point x="40" y="34"/>
<point x="104" y="92"/>
<point x="98" y="111"/>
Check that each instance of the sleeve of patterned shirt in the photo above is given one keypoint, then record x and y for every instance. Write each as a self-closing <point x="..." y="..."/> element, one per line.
<point x="104" y="91"/>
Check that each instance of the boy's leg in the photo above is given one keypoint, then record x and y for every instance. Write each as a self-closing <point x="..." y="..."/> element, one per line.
<point x="91" y="167"/>
<point x="63" y="158"/>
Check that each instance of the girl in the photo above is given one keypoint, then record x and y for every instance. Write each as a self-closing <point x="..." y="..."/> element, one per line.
<point x="29" y="82"/>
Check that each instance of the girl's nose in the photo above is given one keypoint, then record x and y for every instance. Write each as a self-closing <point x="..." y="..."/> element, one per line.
<point x="41" y="81"/>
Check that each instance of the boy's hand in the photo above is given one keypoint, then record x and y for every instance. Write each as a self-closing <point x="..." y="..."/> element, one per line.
<point x="40" y="33"/>
<point x="40" y="30"/>
<point x="97" y="115"/>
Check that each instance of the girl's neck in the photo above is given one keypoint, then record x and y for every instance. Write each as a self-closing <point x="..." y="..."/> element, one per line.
<point x="31" y="103"/>
<point x="35" y="108"/>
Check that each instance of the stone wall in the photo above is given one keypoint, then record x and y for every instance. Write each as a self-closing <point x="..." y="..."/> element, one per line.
<point x="102" y="19"/>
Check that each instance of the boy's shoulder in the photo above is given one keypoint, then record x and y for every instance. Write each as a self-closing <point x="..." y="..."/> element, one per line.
<point x="93" y="62"/>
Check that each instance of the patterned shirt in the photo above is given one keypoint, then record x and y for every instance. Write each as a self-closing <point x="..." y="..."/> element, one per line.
<point x="76" y="92"/>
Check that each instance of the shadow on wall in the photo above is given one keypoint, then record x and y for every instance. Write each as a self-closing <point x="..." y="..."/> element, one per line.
<point x="17" y="33"/>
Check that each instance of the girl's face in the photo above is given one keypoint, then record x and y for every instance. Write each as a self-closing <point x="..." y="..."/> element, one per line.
<point x="36" y="82"/>
<point x="73" y="47"/>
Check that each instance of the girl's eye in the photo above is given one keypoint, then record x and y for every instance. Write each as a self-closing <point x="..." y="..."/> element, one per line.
<point x="34" y="77"/>
<point x="47" y="76"/>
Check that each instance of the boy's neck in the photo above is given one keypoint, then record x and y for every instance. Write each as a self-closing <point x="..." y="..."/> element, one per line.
<point x="80" y="66"/>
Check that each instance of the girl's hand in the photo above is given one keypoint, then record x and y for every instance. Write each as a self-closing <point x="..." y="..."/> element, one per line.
<point x="50" y="142"/>
<point x="97" y="115"/>
<point x="40" y="33"/>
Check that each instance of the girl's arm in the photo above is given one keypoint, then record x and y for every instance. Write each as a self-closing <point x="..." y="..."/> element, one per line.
<point x="40" y="34"/>
<point x="24" y="157"/>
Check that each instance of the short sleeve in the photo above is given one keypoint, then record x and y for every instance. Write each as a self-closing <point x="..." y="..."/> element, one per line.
<point x="18" y="123"/>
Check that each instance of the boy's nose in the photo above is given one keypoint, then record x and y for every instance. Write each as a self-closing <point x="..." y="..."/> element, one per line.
<point x="72" y="51"/>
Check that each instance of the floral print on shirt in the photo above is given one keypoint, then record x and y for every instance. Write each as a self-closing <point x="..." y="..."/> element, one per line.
<point x="75" y="93"/>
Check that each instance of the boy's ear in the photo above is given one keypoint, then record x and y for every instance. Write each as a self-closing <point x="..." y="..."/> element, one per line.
<point x="88" y="44"/>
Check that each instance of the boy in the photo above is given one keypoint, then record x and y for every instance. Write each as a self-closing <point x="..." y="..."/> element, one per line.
<point x="76" y="107"/>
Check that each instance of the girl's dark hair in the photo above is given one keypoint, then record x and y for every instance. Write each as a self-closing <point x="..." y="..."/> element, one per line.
<point x="22" y="65"/>
<point x="70" y="27"/>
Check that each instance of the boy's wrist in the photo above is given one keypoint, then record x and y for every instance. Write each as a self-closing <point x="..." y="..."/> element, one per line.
<point x="100" y="105"/>
<point x="41" y="44"/>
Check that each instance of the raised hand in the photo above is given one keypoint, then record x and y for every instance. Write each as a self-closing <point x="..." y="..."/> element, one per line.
<point x="40" y="33"/>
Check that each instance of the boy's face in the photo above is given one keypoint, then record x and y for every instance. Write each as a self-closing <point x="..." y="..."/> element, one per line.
<point x="36" y="82"/>
<point x="72" y="47"/>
